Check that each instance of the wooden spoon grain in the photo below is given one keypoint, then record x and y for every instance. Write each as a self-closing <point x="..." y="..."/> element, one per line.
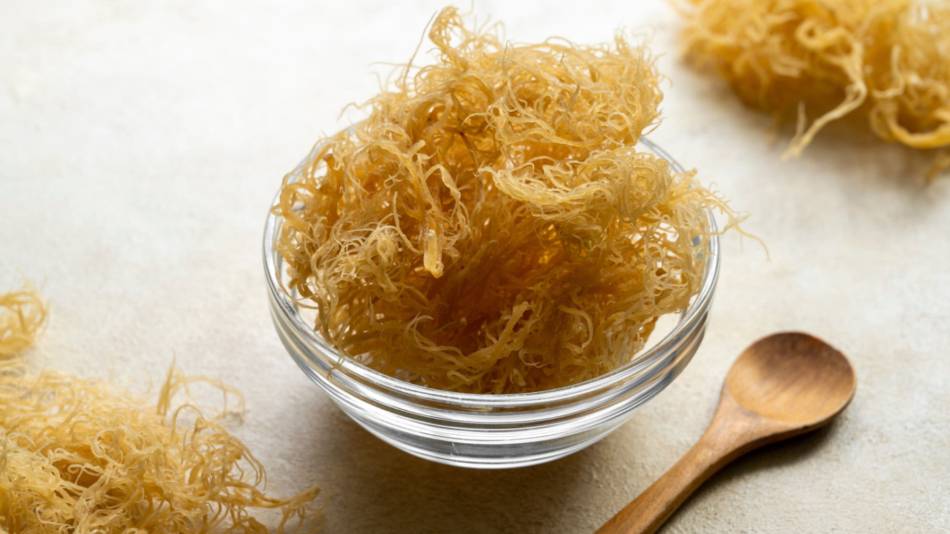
<point x="781" y="386"/>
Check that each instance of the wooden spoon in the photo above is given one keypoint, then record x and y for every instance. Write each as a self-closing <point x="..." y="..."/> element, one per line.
<point x="781" y="386"/>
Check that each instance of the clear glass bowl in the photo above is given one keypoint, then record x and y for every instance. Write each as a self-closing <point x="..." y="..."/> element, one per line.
<point x="485" y="430"/>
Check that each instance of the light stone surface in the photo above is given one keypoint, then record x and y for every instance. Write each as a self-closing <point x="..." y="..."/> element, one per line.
<point x="140" y="145"/>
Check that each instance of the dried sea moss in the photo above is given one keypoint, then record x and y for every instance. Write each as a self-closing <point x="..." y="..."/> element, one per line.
<point x="888" y="60"/>
<point x="22" y="315"/>
<point x="491" y="226"/>
<point x="80" y="456"/>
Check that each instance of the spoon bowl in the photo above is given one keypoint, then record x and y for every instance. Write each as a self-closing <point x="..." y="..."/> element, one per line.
<point x="792" y="377"/>
<point x="781" y="386"/>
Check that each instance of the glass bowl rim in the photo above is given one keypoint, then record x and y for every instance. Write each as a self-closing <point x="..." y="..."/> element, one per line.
<point x="689" y="319"/>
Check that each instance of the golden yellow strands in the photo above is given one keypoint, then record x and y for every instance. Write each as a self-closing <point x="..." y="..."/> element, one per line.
<point x="79" y="456"/>
<point x="825" y="59"/>
<point x="22" y="314"/>
<point x="490" y="227"/>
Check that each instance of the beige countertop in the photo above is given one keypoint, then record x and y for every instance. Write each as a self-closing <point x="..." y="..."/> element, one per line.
<point x="140" y="144"/>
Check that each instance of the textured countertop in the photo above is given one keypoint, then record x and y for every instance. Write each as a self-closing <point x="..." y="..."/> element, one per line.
<point x="140" y="145"/>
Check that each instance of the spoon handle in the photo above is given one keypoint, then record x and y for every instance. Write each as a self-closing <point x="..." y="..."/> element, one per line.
<point x="652" y="507"/>
<point x="732" y="432"/>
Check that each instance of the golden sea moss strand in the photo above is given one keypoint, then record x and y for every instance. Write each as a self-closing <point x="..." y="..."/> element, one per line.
<point x="80" y="456"/>
<point x="823" y="60"/>
<point x="22" y="315"/>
